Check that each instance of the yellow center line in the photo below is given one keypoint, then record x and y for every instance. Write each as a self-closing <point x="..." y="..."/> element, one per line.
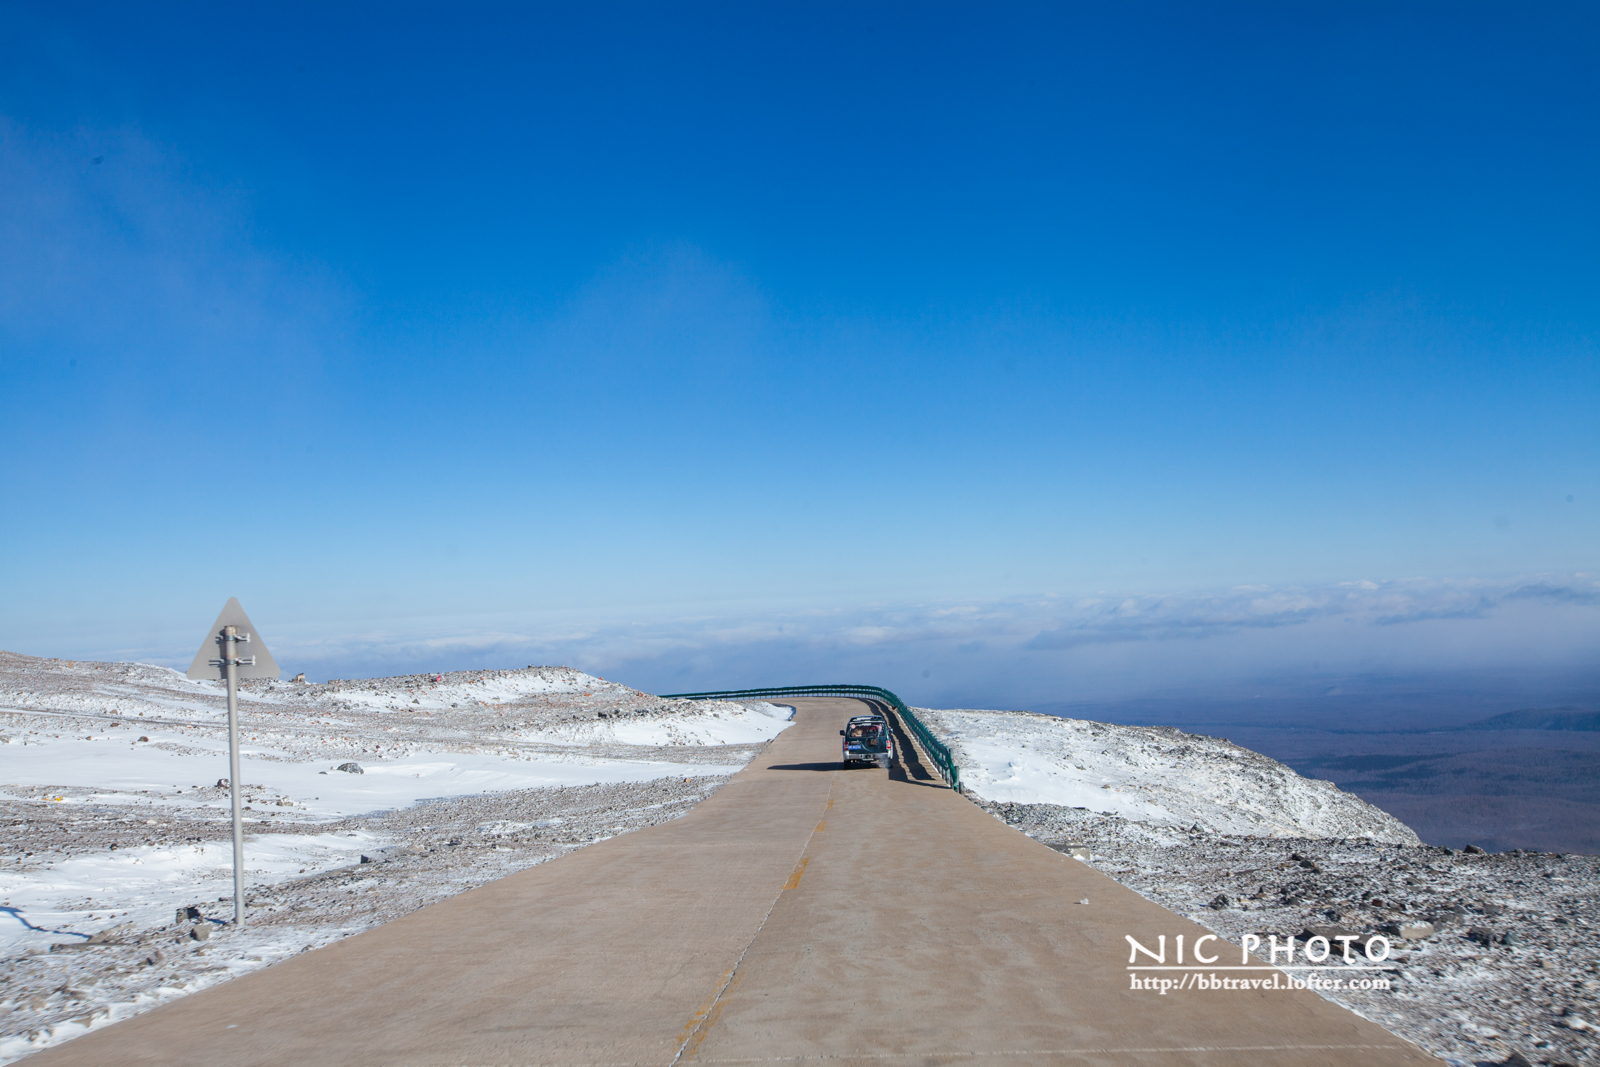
<point x="703" y="1010"/>
<point x="705" y="1017"/>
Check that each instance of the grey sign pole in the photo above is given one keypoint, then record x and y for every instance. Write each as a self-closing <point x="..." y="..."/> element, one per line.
<point x="232" y="629"/>
<point x="230" y="665"/>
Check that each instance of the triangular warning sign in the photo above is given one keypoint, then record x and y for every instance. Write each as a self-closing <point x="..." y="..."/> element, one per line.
<point x="211" y="648"/>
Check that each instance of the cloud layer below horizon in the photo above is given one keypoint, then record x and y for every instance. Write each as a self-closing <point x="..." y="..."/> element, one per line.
<point x="1015" y="652"/>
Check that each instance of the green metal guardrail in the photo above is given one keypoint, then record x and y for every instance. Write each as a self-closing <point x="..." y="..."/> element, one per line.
<point x="937" y="750"/>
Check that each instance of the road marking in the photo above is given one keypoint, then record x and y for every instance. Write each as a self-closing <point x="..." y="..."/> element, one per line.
<point x="821" y="826"/>
<point x="706" y="1016"/>
<point x="794" y="878"/>
<point x="703" y="1010"/>
<point x="711" y="1020"/>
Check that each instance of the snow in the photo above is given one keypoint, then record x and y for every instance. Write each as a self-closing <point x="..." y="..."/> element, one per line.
<point x="117" y="773"/>
<point x="741" y="724"/>
<point x="144" y="886"/>
<point x="134" y="753"/>
<point x="1155" y="776"/>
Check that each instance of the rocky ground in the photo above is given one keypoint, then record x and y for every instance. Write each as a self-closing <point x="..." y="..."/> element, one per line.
<point x="1510" y="967"/>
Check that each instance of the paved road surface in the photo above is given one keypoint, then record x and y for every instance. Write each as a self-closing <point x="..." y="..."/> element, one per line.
<point x="802" y="914"/>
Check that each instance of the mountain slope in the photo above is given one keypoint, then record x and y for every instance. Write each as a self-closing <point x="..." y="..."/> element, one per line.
<point x="1156" y="776"/>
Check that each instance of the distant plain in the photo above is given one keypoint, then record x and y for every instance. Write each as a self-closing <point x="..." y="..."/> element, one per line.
<point x="1503" y="760"/>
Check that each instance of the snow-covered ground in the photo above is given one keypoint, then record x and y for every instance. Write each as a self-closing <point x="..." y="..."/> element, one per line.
<point x="1155" y="776"/>
<point x="115" y="816"/>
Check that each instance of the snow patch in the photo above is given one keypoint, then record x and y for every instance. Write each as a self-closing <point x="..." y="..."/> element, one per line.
<point x="1156" y="776"/>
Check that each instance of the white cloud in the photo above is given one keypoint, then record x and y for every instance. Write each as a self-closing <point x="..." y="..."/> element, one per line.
<point x="1018" y="651"/>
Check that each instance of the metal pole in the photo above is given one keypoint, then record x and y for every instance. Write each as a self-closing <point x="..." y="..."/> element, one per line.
<point x="230" y="661"/>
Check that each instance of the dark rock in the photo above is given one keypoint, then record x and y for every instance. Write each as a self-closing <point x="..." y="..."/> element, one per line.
<point x="368" y="859"/>
<point x="189" y="914"/>
<point x="142" y="738"/>
<point x="1474" y="850"/>
<point x="1516" y="1059"/>
<point x="350" y="768"/>
<point x="1219" y="903"/>
<point x="1481" y="934"/>
<point x="109" y="937"/>
<point x="222" y="783"/>
<point x="1333" y="933"/>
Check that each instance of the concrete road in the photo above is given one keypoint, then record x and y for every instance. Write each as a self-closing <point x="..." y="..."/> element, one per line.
<point x="801" y="914"/>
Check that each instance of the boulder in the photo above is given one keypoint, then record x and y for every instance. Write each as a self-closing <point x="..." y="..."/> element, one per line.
<point x="350" y="768"/>
<point x="1358" y="940"/>
<point x="109" y="936"/>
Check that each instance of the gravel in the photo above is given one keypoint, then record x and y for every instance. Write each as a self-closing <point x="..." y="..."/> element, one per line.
<point x="1512" y="967"/>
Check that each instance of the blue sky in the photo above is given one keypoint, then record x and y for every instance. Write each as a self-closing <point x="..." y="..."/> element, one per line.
<point x="507" y="328"/>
